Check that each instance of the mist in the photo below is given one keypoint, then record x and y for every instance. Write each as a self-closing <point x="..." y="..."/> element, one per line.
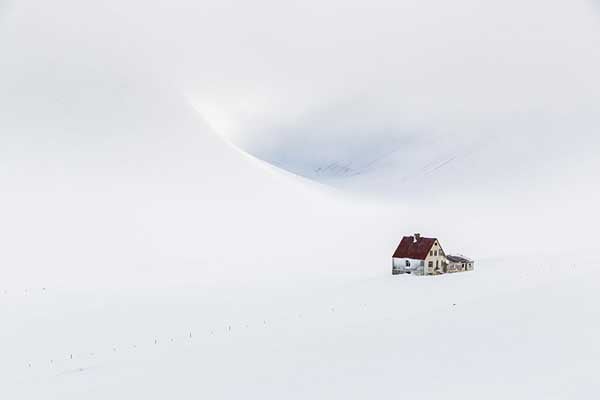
<point x="411" y="103"/>
<point x="200" y="199"/>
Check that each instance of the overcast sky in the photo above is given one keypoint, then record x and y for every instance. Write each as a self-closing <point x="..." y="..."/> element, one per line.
<point x="303" y="84"/>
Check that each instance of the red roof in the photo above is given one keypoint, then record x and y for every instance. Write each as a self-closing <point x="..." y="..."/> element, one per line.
<point x="415" y="249"/>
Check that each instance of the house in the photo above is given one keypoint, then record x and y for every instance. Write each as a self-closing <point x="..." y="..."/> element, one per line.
<point x="459" y="263"/>
<point x="419" y="255"/>
<point x="425" y="256"/>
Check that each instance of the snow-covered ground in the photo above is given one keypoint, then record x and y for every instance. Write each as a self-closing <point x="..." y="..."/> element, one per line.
<point x="194" y="207"/>
<point x="511" y="328"/>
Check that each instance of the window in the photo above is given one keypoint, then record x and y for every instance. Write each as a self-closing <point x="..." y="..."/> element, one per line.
<point x="435" y="253"/>
<point x="437" y="263"/>
<point x="422" y="263"/>
<point x="430" y="264"/>
<point x="407" y="263"/>
<point x="431" y="253"/>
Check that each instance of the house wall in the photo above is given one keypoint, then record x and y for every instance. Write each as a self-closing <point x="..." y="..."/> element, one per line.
<point x="436" y="256"/>
<point x="457" y="266"/>
<point x="399" y="266"/>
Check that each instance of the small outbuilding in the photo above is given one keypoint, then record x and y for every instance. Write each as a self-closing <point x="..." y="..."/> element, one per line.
<point x="425" y="256"/>
<point x="459" y="263"/>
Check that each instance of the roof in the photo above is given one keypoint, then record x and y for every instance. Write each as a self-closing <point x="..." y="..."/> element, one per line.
<point x="416" y="249"/>
<point x="458" y="259"/>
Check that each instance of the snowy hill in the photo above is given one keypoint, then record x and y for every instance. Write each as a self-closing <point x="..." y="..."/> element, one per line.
<point x="194" y="206"/>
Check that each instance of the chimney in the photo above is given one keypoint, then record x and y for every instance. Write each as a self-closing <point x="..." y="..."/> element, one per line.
<point x="417" y="237"/>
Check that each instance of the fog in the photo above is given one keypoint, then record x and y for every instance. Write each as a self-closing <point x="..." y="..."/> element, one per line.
<point x="192" y="191"/>
<point x="467" y="109"/>
<point x="308" y="85"/>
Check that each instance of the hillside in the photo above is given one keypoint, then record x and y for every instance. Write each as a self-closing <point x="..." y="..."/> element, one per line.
<point x="193" y="206"/>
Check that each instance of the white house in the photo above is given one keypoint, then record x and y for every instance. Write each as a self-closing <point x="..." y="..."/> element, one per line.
<point x="425" y="256"/>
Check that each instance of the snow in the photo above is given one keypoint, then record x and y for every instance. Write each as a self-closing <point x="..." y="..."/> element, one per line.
<point x="163" y="232"/>
<point x="507" y="329"/>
